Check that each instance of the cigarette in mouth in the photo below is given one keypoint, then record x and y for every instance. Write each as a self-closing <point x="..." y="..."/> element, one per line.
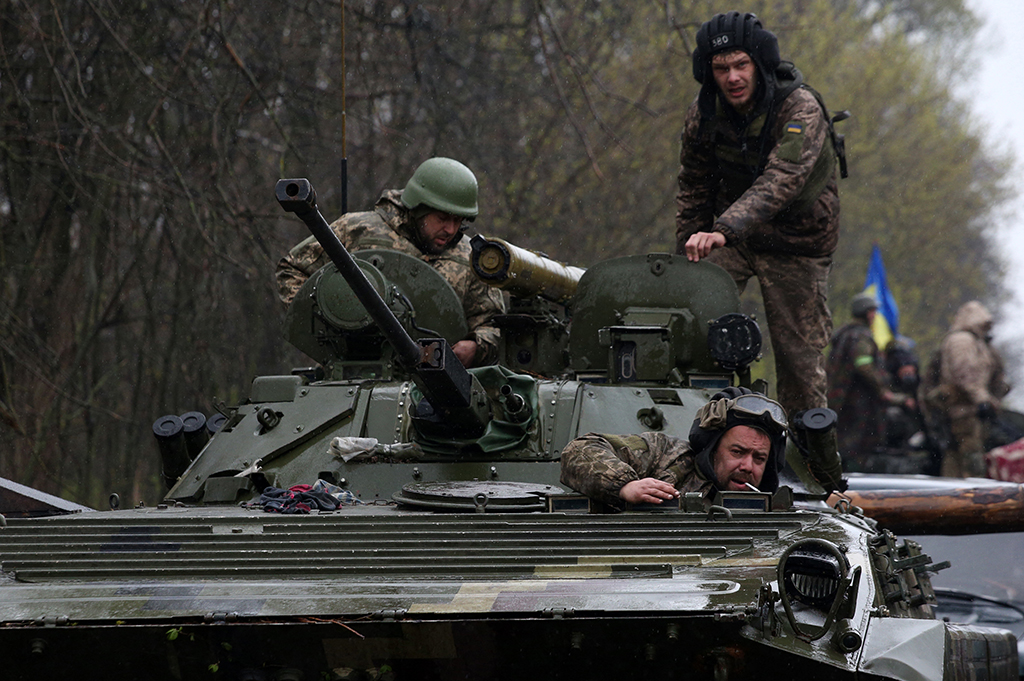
<point x="752" y="488"/>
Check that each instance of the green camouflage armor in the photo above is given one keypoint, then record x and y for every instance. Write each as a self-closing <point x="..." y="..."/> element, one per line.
<point x="773" y="231"/>
<point x="600" y="465"/>
<point x="856" y="384"/>
<point x="390" y="226"/>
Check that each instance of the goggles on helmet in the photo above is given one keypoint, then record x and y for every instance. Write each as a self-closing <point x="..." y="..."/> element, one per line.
<point x="714" y="414"/>
<point x="756" y="405"/>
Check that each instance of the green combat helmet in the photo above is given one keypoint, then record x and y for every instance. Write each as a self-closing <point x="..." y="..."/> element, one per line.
<point x="442" y="184"/>
<point x="861" y="304"/>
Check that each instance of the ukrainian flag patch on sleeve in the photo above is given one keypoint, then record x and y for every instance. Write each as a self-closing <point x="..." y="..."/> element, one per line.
<point x="791" y="144"/>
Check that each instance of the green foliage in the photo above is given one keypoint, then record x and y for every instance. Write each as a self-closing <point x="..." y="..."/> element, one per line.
<point x="174" y="633"/>
<point x="921" y="183"/>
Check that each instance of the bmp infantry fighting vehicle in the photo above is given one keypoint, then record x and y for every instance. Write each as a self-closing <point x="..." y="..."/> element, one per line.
<point x="455" y="553"/>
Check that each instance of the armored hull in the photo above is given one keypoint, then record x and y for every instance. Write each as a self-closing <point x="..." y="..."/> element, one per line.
<point x="178" y="592"/>
<point x="455" y="552"/>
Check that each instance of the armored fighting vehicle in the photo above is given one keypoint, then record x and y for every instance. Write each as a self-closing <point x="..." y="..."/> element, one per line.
<point x="421" y="530"/>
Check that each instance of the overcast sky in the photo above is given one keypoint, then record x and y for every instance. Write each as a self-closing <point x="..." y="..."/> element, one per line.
<point x="998" y="101"/>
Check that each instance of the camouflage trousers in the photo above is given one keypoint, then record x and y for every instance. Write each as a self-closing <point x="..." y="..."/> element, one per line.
<point x="965" y="456"/>
<point x="794" y="289"/>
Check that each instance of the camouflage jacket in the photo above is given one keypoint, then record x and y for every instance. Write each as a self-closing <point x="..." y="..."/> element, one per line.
<point x="599" y="465"/>
<point x="767" y="213"/>
<point x="856" y="380"/>
<point x="390" y="226"/>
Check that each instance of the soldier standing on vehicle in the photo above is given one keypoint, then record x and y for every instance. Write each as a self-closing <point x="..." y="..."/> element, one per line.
<point x="757" y="192"/>
<point x="858" y="387"/>
<point x="971" y="383"/>
<point x="737" y="438"/>
<point x="427" y="220"/>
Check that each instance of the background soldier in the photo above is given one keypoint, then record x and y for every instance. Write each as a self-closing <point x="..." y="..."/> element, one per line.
<point x="858" y="387"/>
<point x="737" y="438"/>
<point x="971" y="385"/>
<point x="757" y="192"/>
<point x="425" y="220"/>
<point x="906" y="428"/>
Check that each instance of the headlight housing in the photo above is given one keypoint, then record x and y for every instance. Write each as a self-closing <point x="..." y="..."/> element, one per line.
<point x="812" y="575"/>
<point x="816" y="573"/>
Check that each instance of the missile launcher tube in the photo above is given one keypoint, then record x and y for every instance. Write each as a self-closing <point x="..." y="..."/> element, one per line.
<point x="521" y="272"/>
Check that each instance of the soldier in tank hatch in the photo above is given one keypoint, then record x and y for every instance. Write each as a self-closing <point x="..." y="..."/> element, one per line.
<point x="737" y="439"/>
<point x="426" y="220"/>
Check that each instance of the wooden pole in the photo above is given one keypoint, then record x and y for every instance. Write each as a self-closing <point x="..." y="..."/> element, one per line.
<point x="999" y="508"/>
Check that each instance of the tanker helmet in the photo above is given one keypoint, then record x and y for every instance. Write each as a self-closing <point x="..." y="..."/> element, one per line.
<point x="740" y="407"/>
<point x="861" y="304"/>
<point x="735" y="31"/>
<point x="442" y="184"/>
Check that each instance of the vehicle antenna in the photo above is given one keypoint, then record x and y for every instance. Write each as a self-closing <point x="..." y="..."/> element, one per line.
<point x="344" y="148"/>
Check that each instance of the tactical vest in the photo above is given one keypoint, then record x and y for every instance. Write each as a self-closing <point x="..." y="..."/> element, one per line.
<point x="742" y="158"/>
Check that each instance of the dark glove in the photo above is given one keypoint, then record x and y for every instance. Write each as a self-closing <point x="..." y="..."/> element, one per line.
<point x="986" y="412"/>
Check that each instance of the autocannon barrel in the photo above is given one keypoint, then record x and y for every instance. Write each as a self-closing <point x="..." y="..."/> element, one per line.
<point x="522" y="272"/>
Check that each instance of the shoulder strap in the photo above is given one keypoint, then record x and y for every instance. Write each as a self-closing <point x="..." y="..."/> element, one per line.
<point x="838" y="141"/>
<point x="632" y="442"/>
<point x="793" y="79"/>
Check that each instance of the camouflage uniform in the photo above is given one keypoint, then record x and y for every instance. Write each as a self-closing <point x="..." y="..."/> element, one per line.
<point x="390" y="226"/>
<point x="773" y="229"/>
<point x="856" y="384"/>
<point x="600" y="465"/>
<point x="971" y="374"/>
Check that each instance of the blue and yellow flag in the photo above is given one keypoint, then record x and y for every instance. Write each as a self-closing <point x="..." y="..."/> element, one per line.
<point x="887" y="321"/>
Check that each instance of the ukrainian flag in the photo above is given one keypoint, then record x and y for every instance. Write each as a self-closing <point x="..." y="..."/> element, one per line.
<point x="887" y="321"/>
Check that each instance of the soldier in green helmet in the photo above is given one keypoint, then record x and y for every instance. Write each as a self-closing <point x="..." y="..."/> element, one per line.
<point x="859" y="388"/>
<point x="427" y="220"/>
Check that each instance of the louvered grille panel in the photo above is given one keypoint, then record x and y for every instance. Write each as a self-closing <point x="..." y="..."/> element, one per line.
<point x="111" y="546"/>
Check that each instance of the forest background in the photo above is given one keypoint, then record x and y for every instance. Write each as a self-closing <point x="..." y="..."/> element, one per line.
<point x="140" y="143"/>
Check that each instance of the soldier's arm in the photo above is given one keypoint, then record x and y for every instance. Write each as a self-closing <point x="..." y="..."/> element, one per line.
<point x="295" y="268"/>
<point x="697" y="180"/>
<point x="593" y="466"/>
<point x="864" y="358"/>
<point x="481" y="304"/>
<point x="997" y="384"/>
<point x="306" y="258"/>
<point x="603" y="466"/>
<point x="801" y="132"/>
